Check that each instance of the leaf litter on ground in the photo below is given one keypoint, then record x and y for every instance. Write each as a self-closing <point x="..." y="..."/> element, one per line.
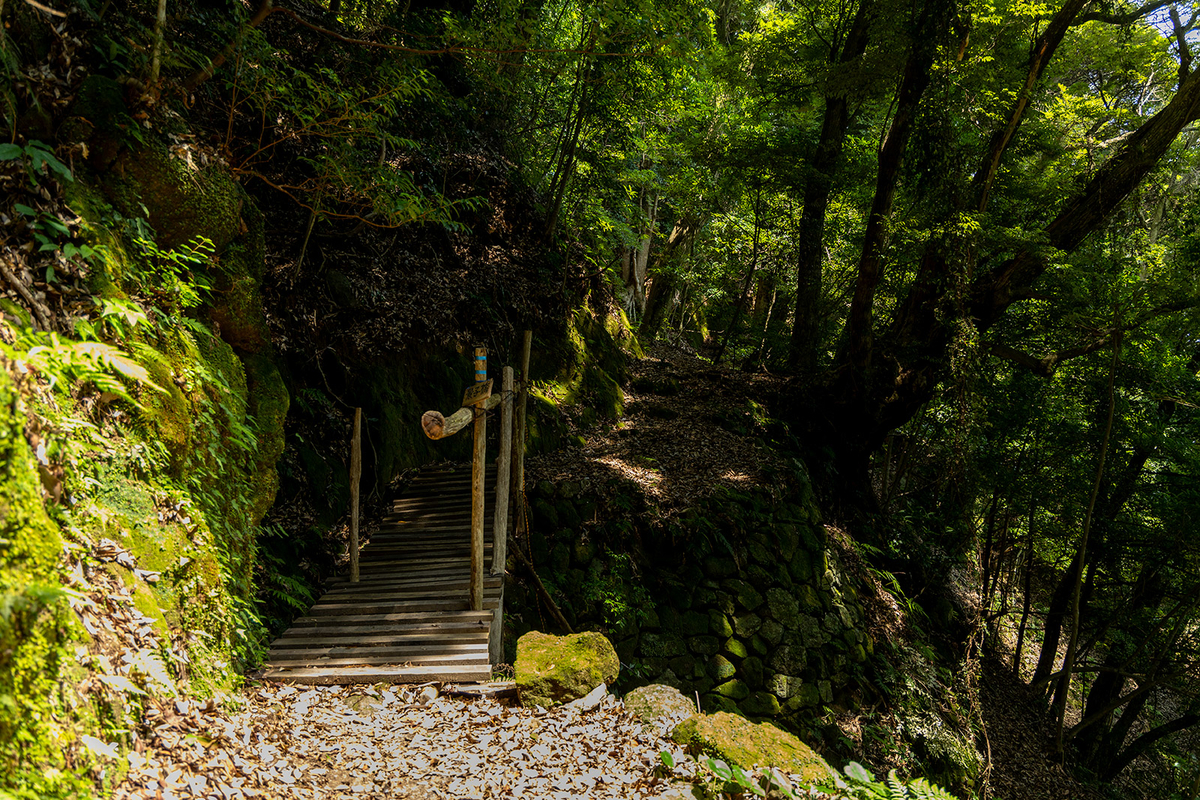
<point x="390" y="742"/>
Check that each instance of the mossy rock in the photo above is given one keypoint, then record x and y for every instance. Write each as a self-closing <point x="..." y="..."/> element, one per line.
<point x="739" y="741"/>
<point x="662" y="645"/>
<point x="735" y="690"/>
<point x="719" y="703"/>
<point x="693" y="623"/>
<point x="746" y="625"/>
<point x="735" y="648"/>
<point x="237" y="306"/>
<point x="719" y="624"/>
<point x="558" y="669"/>
<point x="721" y="668"/>
<point x="782" y="607"/>
<point x="761" y="704"/>
<point x="745" y="595"/>
<point x="752" y="670"/>
<point x="184" y="202"/>
<point x="659" y="705"/>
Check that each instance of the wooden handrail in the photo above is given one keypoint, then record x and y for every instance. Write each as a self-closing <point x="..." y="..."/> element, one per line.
<point x="438" y="426"/>
<point x="476" y="403"/>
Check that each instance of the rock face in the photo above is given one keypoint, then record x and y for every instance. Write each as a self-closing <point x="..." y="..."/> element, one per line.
<point x="557" y="669"/>
<point x="664" y="707"/>
<point x="737" y="740"/>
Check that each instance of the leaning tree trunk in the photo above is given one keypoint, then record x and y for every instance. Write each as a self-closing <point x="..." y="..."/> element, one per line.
<point x="810" y="238"/>
<point x="662" y="284"/>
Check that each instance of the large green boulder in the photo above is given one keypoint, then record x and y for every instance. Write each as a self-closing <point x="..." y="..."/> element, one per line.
<point x="558" y="669"/>
<point x="739" y="741"/>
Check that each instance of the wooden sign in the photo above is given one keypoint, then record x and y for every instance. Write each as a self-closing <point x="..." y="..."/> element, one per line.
<point x="477" y="392"/>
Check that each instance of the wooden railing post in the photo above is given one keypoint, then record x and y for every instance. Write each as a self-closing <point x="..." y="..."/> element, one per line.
<point x="503" y="463"/>
<point x="355" y="477"/>
<point x="477" y="475"/>
<point x="500" y="522"/>
<point x="518" y="445"/>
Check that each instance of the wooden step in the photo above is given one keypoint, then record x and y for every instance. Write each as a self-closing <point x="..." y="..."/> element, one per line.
<point x="414" y="654"/>
<point x="436" y="639"/>
<point x="491" y="600"/>
<point x="479" y="658"/>
<point x="340" y="627"/>
<point x="385" y="674"/>
<point x="482" y="617"/>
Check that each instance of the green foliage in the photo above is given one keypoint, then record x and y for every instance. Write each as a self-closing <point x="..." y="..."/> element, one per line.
<point x="344" y="126"/>
<point x="39" y="160"/>
<point x="67" y="365"/>
<point x="863" y="786"/>
<point x="612" y="584"/>
<point x="859" y="785"/>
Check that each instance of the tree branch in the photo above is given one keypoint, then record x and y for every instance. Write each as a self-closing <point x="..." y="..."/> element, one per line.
<point x="1043" y="50"/>
<point x="40" y="313"/>
<point x="1046" y="365"/>
<point x="1132" y="15"/>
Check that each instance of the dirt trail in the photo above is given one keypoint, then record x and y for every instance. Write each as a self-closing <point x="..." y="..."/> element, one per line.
<point x="683" y="432"/>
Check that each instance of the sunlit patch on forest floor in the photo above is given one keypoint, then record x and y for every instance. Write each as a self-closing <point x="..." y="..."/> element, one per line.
<point x="688" y="429"/>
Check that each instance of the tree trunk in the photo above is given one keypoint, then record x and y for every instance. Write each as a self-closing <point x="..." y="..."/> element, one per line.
<point x="1145" y="741"/>
<point x="860" y="323"/>
<point x="663" y="284"/>
<point x="1028" y="601"/>
<point x="806" y="340"/>
<point x="742" y="296"/>
<point x="1054" y="621"/>
<point x="1064" y="686"/>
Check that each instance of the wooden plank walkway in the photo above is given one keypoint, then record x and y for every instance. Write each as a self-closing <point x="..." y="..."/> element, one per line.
<point x="408" y="619"/>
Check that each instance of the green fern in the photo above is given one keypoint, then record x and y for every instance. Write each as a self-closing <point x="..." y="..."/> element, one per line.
<point x="863" y="786"/>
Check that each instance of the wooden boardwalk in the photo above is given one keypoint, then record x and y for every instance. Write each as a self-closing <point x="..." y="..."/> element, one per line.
<point x="408" y="619"/>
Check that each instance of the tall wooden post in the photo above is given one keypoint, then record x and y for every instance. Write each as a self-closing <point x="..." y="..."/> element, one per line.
<point x="503" y="462"/>
<point x="500" y="522"/>
<point x="518" y="445"/>
<point x="477" y="475"/>
<point x="355" y="476"/>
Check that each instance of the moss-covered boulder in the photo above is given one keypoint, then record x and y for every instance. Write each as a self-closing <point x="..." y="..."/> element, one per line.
<point x="557" y="669"/>
<point x="664" y="707"/>
<point x="739" y="741"/>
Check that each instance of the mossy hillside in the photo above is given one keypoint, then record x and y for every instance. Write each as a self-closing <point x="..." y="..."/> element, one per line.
<point x="180" y="478"/>
<point x="578" y="370"/>
<point x="36" y="624"/>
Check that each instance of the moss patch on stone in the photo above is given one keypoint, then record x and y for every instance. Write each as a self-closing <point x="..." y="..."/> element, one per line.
<point x="557" y="669"/>
<point x="36" y="624"/>
<point x="739" y="741"/>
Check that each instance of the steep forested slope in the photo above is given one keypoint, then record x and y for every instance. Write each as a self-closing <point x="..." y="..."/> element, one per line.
<point x="959" y="237"/>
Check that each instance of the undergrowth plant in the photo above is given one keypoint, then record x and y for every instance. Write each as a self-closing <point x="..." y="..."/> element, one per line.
<point x="859" y="783"/>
